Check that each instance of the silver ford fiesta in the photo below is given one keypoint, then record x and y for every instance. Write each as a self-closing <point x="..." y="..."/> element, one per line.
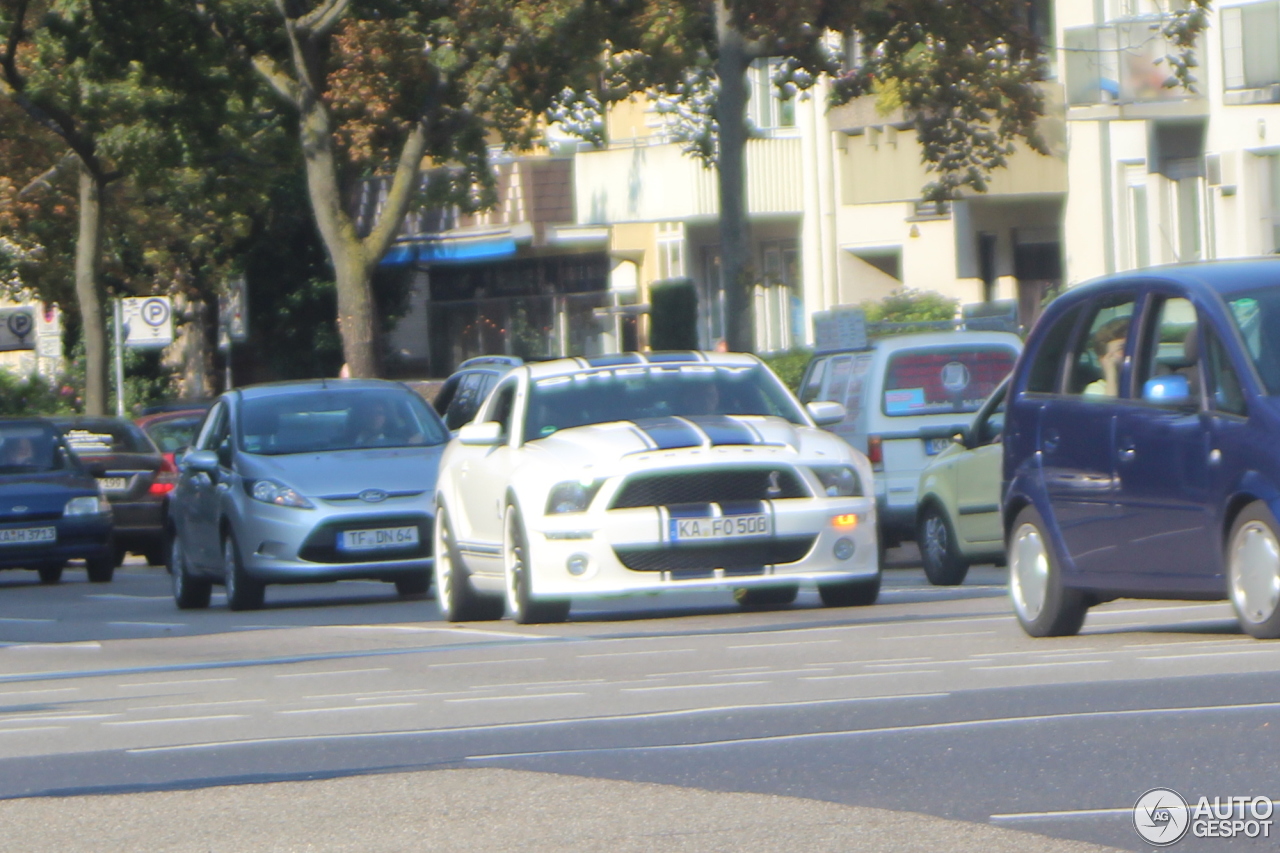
<point x="306" y="481"/>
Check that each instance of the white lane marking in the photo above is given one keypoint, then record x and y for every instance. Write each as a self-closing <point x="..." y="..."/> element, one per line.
<point x="641" y="652"/>
<point x="1003" y="666"/>
<point x="120" y="596"/>
<point x="707" y="671"/>
<point x="1238" y="641"/>
<point x="923" y="727"/>
<point x="173" y="683"/>
<point x="161" y="720"/>
<point x="927" y="637"/>
<point x="1219" y="654"/>
<point x="195" y="705"/>
<point x="808" y="668"/>
<point x="1181" y="608"/>
<point x="533" y="684"/>
<point x="149" y="624"/>
<point x="868" y="675"/>
<point x="495" y="727"/>
<point x="486" y="662"/>
<point x="349" y="708"/>
<point x="905" y="664"/>
<point x="1060" y="814"/>
<point x="371" y="695"/>
<point x="58" y="647"/>
<point x="49" y="718"/>
<point x="788" y="643"/>
<point x="691" y="686"/>
<point x="521" y="697"/>
<point x="35" y="692"/>
<point x="332" y="672"/>
<point x="33" y="729"/>
<point x="456" y="630"/>
<point x="890" y="661"/>
<point x="1083" y="651"/>
<point x="26" y="621"/>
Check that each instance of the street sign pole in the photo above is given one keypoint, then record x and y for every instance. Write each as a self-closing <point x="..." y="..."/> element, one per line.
<point x="119" y="362"/>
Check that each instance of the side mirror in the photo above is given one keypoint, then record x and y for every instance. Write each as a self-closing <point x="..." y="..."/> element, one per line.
<point x="1171" y="390"/>
<point x="825" y="412"/>
<point x="205" y="461"/>
<point x="486" y="434"/>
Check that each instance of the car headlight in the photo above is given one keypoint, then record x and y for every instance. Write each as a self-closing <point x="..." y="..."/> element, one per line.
<point x="573" y="496"/>
<point x="838" y="481"/>
<point x="87" y="505"/>
<point x="271" y="492"/>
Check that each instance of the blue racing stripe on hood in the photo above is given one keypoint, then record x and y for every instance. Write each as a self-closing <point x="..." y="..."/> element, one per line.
<point x="669" y="433"/>
<point x="724" y="430"/>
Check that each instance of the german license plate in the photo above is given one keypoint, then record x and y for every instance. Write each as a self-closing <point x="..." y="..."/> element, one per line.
<point x="934" y="446"/>
<point x="731" y="527"/>
<point x="113" y="484"/>
<point x="375" y="540"/>
<point x="28" y="535"/>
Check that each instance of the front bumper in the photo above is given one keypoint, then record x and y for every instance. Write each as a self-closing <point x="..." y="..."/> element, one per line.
<point x="626" y="551"/>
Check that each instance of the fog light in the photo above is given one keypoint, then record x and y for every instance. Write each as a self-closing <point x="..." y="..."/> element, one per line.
<point x="578" y="564"/>
<point x="844" y="548"/>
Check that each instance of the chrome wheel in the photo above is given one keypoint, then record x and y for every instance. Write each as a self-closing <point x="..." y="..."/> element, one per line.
<point x="1255" y="571"/>
<point x="935" y="538"/>
<point x="442" y="552"/>
<point x="516" y="570"/>
<point x="1028" y="572"/>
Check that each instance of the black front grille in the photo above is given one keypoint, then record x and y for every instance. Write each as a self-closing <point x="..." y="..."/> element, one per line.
<point x="709" y="486"/>
<point x="737" y="558"/>
<point x="322" y="545"/>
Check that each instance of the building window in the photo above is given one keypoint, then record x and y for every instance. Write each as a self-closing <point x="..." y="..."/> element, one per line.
<point x="1187" y="185"/>
<point x="768" y="108"/>
<point x="670" y="250"/>
<point x="1249" y="37"/>
<point x="1271" y="204"/>
<point x="1136" y="215"/>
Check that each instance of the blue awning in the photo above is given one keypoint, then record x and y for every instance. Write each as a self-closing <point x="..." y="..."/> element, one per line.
<point x="448" y="251"/>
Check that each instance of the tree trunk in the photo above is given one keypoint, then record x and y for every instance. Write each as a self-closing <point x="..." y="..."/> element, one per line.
<point x="736" y="269"/>
<point x="88" y="300"/>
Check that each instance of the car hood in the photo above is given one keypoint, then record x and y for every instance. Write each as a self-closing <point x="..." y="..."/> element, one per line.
<point x="613" y="441"/>
<point x="349" y="472"/>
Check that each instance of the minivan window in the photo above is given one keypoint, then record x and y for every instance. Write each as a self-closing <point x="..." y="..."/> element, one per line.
<point x="953" y="380"/>
<point x="1099" y="354"/>
<point x="1170" y="345"/>
<point x="1255" y="312"/>
<point x="1225" y="391"/>
<point x="1046" y="367"/>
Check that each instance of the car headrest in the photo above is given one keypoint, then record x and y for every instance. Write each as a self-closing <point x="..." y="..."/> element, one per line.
<point x="1191" y="345"/>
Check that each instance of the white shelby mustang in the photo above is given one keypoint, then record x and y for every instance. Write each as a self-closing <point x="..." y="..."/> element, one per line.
<point x="637" y="473"/>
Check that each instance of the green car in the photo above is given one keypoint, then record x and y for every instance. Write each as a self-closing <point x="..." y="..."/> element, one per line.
<point x="958" y="512"/>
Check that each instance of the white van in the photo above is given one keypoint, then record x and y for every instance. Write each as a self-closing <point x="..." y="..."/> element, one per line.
<point x="904" y="398"/>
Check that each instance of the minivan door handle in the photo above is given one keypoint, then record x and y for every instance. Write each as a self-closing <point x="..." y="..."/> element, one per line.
<point x="1050" y="440"/>
<point x="1128" y="450"/>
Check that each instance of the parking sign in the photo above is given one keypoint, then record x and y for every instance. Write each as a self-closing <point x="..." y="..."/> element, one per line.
<point x="148" y="321"/>
<point x="17" y="329"/>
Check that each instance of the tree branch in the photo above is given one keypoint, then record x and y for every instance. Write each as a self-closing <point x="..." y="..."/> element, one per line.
<point x="403" y="186"/>
<point x="281" y="83"/>
<point x="319" y="21"/>
<point x="8" y="61"/>
<point x="44" y="180"/>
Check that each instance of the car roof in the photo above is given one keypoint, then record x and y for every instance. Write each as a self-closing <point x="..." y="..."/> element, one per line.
<point x="494" y="361"/>
<point x="171" y="415"/>
<point x="1224" y="277"/>
<point x="923" y="340"/>
<point x="275" y="389"/>
<point x="567" y="366"/>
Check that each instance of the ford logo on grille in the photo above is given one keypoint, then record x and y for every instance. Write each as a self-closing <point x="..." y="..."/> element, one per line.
<point x="373" y="496"/>
<point x="19" y="509"/>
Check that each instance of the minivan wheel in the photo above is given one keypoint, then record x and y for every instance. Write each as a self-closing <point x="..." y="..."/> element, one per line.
<point x="939" y="552"/>
<point x="1253" y="571"/>
<point x="243" y="592"/>
<point x="525" y="610"/>
<point x="458" y="600"/>
<point x="1043" y="605"/>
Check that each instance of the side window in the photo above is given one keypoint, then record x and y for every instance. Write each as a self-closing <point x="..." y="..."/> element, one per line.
<point x="465" y="402"/>
<point x="1046" y="368"/>
<point x="486" y="385"/>
<point x="215" y="422"/>
<point x="1170" y="345"/>
<point x="991" y="430"/>
<point x="1098" y="358"/>
<point x="502" y="406"/>
<point x="1225" y="391"/>
<point x="445" y="395"/>
<point x="838" y="383"/>
<point x="813" y="382"/>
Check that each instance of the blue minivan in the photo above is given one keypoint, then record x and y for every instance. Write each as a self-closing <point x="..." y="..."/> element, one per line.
<point x="1142" y="447"/>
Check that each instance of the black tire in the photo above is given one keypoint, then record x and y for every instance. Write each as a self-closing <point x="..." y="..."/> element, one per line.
<point x="766" y="596"/>
<point x="101" y="569"/>
<point x="413" y="586"/>
<point x="524" y="608"/>
<point x="1045" y="607"/>
<point x="243" y="592"/>
<point x="50" y="573"/>
<point x="458" y="600"/>
<point x="1253" y="571"/>
<point x="939" y="553"/>
<point x="855" y="593"/>
<point x="188" y="593"/>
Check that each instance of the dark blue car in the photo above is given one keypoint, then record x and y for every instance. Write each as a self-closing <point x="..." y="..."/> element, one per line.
<point x="51" y="509"/>
<point x="1142" y="446"/>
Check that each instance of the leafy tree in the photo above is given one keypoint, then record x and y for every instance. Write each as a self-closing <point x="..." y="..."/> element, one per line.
<point x="908" y="305"/>
<point x="379" y="85"/>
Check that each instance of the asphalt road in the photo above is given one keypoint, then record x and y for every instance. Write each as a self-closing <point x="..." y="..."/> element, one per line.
<point x="803" y="721"/>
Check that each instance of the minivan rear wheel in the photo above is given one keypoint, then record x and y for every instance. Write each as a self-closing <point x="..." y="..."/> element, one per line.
<point x="1253" y="571"/>
<point x="1043" y="605"/>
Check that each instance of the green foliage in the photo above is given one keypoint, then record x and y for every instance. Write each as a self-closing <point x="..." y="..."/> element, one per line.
<point x="33" y="395"/>
<point x="789" y="365"/>
<point x="673" y="315"/>
<point x="908" y="305"/>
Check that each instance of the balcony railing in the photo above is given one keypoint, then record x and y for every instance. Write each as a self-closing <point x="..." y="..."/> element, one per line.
<point x="1121" y="62"/>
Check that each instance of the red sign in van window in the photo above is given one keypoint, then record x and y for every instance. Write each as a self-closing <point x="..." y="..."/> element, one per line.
<point x="943" y="381"/>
